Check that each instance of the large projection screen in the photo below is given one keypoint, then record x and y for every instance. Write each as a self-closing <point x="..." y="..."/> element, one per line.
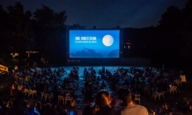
<point x="94" y="43"/>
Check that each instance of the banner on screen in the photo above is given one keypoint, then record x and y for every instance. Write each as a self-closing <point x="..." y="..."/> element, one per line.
<point x="94" y="43"/>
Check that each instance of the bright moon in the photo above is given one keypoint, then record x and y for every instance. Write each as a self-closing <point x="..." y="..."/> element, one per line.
<point x="108" y="40"/>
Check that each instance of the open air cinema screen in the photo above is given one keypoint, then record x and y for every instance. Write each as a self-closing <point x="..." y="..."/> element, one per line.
<point x="94" y="43"/>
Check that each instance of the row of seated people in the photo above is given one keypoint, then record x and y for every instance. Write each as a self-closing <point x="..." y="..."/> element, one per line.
<point x="102" y="105"/>
<point x="178" y="108"/>
<point x="158" y="84"/>
<point x="97" y="85"/>
<point x="42" y="85"/>
<point x="46" y="95"/>
<point x="93" y="84"/>
<point x="20" y="106"/>
<point x="181" y="108"/>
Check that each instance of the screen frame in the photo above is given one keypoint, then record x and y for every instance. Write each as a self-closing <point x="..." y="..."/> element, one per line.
<point x="68" y="43"/>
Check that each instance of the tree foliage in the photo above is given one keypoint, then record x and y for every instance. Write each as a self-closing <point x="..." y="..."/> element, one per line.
<point x="176" y="25"/>
<point x="172" y="18"/>
<point x="44" y="30"/>
<point x="50" y="31"/>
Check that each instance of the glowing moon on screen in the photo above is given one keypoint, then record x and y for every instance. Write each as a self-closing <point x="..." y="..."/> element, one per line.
<point x="108" y="40"/>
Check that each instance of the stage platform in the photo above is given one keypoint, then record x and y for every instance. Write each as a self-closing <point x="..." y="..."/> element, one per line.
<point x="109" y="61"/>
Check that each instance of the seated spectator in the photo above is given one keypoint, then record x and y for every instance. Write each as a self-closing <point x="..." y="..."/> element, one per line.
<point x="19" y="105"/>
<point x="137" y="95"/>
<point x="63" y="111"/>
<point x="2" y="103"/>
<point x="31" y="110"/>
<point x="89" y="110"/>
<point x="73" y="103"/>
<point x="186" y="107"/>
<point x="183" y="108"/>
<point x="53" y="110"/>
<point x="20" y="87"/>
<point x="38" y="106"/>
<point x="2" y="107"/>
<point x="113" y="101"/>
<point x="165" y="109"/>
<point x="103" y="101"/>
<point x="2" y="111"/>
<point x="129" y="107"/>
<point x="12" y="90"/>
<point x="101" y="105"/>
<point x="189" y="112"/>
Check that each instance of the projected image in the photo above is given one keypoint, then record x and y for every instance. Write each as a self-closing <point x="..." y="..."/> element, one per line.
<point x="94" y="43"/>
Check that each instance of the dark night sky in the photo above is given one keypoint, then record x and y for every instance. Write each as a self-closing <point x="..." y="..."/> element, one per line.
<point x="105" y="13"/>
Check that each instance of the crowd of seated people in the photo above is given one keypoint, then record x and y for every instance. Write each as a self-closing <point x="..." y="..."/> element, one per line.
<point x="45" y="85"/>
<point x="146" y="81"/>
<point x="179" y="108"/>
<point x="102" y="105"/>
<point x="93" y="84"/>
<point x="20" y="106"/>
